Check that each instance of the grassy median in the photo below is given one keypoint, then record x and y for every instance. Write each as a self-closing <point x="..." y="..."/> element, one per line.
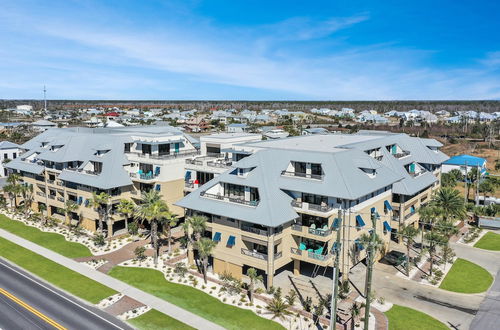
<point x="404" y="318"/>
<point x="60" y="276"/>
<point x="490" y="241"/>
<point x="191" y="299"/>
<point x="155" y="320"/>
<point x="51" y="241"/>
<point x="466" y="277"/>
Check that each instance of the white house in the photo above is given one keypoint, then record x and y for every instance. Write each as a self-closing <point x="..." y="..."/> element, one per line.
<point x="43" y="125"/>
<point x="9" y="151"/>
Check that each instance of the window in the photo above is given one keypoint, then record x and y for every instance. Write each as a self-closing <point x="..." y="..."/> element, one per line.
<point x="127" y="147"/>
<point x="234" y="191"/>
<point x="5" y="156"/>
<point x="300" y="167"/>
<point x="316" y="169"/>
<point x="163" y="149"/>
<point x="14" y="155"/>
<point x="146" y="149"/>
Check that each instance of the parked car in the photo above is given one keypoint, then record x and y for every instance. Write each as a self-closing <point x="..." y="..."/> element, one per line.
<point x="395" y="258"/>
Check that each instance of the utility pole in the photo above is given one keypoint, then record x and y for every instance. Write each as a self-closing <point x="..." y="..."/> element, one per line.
<point x="477" y="185"/>
<point x="333" y="304"/>
<point x="44" y="98"/>
<point x="369" y="273"/>
<point x="465" y="184"/>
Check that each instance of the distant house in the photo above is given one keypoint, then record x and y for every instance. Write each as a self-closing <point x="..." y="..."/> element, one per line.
<point x="8" y="151"/>
<point x="43" y="125"/>
<point x="464" y="163"/>
<point x="315" y="131"/>
<point x="112" y="114"/>
<point x="237" y="128"/>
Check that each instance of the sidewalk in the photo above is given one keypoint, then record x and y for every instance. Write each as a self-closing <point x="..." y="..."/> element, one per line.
<point x="141" y="296"/>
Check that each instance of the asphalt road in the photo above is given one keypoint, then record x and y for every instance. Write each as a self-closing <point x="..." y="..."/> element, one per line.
<point x="488" y="316"/>
<point x="27" y="303"/>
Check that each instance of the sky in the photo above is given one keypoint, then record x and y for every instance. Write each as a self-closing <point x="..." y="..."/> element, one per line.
<point x="250" y="50"/>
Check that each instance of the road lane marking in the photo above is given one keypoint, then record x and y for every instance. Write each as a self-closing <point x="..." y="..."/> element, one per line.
<point x="32" y="310"/>
<point x="6" y="264"/>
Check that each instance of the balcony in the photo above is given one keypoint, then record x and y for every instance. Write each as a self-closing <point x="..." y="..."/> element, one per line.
<point x="254" y="254"/>
<point x="170" y="155"/>
<point x="229" y="199"/>
<point x="50" y="181"/>
<point x="51" y="196"/>
<point x="60" y="199"/>
<point x="194" y="162"/>
<point x="312" y="207"/>
<point x="401" y="154"/>
<point x="143" y="176"/>
<point x="188" y="184"/>
<point x="302" y="175"/>
<point x="41" y="194"/>
<point x="317" y="256"/>
<point x="319" y="232"/>
<point x="296" y="251"/>
<point x="220" y="164"/>
<point x="254" y="230"/>
<point x="297" y="227"/>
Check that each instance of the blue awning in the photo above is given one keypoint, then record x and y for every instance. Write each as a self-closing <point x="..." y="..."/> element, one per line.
<point x="359" y="221"/>
<point x="373" y="210"/>
<point x="387" y="226"/>
<point x="336" y="223"/>
<point x="359" y="246"/>
<point x="158" y="187"/>
<point x="80" y="200"/>
<point x="87" y="201"/>
<point x="217" y="237"/>
<point x="336" y="246"/>
<point x="388" y="205"/>
<point x="187" y="176"/>
<point x="231" y="241"/>
<point x="157" y="170"/>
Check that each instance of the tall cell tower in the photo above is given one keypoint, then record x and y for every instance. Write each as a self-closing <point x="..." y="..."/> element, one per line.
<point x="44" y="98"/>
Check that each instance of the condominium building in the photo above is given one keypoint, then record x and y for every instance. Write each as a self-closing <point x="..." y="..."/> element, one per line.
<point x="280" y="204"/>
<point x="215" y="157"/>
<point x="70" y="164"/>
<point x="9" y="151"/>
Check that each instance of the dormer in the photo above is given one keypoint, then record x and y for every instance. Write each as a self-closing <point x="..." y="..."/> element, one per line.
<point x="370" y="172"/>
<point x="397" y="151"/>
<point x="304" y="170"/>
<point x="374" y="153"/>
<point x="56" y="147"/>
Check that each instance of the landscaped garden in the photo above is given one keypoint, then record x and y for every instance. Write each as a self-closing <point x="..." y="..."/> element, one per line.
<point x="51" y="241"/>
<point x="404" y="318"/>
<point x="155" y="320"/>
<point x="490" y="241"/>
<point x="466" y="277"/>
<point x="191" y="299"/>
<point x="54" y="273"/>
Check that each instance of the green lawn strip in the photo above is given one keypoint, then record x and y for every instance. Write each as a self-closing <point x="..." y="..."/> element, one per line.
<point x="51" y="241"/>
<point x="191" y="299"/>
<point x="154" y="320"/>
<point x="404" y="318"/>
<point x="54" y="273"/>
<point x="466" y="277"/>
<point x="490" y="241"/>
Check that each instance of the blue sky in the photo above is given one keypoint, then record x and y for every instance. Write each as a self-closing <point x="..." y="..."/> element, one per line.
<point x="250" y="50"/>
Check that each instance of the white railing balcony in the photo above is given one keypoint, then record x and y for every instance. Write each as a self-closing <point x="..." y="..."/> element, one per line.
<point x="254" y="254"/>
<point x="302" y="175"/>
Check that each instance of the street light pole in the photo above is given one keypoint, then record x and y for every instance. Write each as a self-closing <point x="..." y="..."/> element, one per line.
<point x="369" y="275"/>
<point x="333" y="304"/>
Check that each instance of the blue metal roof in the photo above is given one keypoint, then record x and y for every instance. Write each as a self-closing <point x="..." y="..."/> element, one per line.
<point x="463" y="159"/>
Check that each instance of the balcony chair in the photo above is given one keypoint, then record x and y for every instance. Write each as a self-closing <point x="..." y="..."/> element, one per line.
<point x="302" y="246"/>
<point x="319" y="251"/>
<point x="313" y="226"/>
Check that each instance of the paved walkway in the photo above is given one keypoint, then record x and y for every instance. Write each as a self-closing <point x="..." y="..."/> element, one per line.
<point x="134" y="293"/>
<point x="488" y="316"/>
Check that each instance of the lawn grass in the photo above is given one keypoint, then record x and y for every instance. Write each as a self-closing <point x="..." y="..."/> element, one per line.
<point x="404" y="318"/>
<point x="466" y="277"/>
<point x="60" y="276"/>
<point x="191" y="299"/>
<point x="490" y="241"/>
<point x="155" y="320"/>
<point x="51" y="241"/>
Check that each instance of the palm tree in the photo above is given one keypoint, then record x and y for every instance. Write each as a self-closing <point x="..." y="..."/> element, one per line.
<point x="408" y="232"/>
<point x="449" y="202"/>
<point x="126" y="209"/>
<point x="355" y="312"/>
<point x="254" y="278"/>
<point x="41" y="209"/>
<point x="153" y="210"/>
<point x="193" y="228"/>
<point x="170" y="222"/>
<point x="12" y="191"/>
<point x="100" y="203"/>
<point x="435" y="239"/>
<point x="205" y="247"/>
<point x="278" y="307"/>
<point x="26" y="191"/>
<point x="69" y="207"/>
<point x="472" y="177"/>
